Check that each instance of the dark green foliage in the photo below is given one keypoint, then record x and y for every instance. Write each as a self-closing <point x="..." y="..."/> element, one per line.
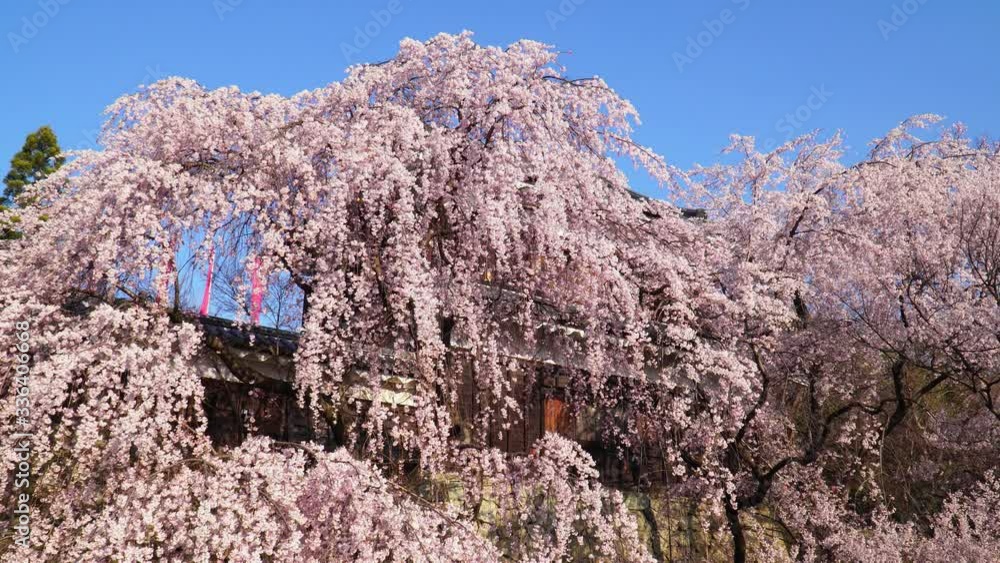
<point x="39" y="157"/>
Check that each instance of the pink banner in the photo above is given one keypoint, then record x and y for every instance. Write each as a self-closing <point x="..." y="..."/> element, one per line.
<point x="206" y="298"/>
<point x="256" y="292"/>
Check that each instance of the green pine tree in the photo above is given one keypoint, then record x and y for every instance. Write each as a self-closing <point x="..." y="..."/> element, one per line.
<point x="39" y="157"/>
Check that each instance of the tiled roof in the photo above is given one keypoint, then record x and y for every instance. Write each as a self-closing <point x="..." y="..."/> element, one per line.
<point x="281" y="342"/>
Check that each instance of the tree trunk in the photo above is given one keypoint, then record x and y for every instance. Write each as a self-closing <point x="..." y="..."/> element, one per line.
<point x="736" y="529"/>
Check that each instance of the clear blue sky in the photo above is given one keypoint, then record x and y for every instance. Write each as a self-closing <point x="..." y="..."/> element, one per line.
<point x="695" y="72"/>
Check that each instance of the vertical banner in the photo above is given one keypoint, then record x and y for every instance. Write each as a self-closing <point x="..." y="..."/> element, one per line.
<point x="256" y="292"/>
<point x="206" y="298"/>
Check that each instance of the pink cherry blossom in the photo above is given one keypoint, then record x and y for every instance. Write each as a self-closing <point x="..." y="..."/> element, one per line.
<point x="815" y="361"/>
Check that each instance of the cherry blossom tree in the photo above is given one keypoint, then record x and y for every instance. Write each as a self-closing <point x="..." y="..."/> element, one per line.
<point x="883" y="383"/>
<point x="457" y="215"/>
<point x="401" y="203"/>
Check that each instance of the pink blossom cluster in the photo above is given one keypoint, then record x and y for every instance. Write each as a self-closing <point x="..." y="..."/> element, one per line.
<point x="816" y="362"/>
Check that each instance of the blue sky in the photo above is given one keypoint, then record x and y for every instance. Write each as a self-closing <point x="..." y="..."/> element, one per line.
<point x="697" y="71"/>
